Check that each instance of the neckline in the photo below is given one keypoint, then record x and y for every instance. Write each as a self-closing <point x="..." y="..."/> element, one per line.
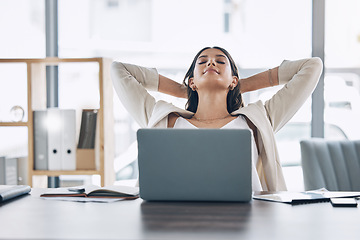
<point x="198" y="127"/>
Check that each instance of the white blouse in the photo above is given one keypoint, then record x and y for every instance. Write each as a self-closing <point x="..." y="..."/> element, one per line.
<point x="237" y="123"/>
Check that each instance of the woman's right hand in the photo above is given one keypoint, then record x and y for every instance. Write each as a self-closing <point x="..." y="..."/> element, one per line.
<point x="171" y="87"/>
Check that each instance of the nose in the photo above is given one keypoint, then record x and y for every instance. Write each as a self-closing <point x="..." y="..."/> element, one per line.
<point x="211" y="62"/>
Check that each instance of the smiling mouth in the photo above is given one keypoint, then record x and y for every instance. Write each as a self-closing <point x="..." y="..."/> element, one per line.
<point x="211" y="70"/>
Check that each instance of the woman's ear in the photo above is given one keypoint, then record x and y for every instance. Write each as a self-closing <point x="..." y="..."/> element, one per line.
<point x="234" y="83"/>
<point x="192" y="84"/>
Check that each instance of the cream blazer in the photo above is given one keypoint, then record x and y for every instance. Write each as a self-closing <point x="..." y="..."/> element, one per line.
<point x="299" y="78"/>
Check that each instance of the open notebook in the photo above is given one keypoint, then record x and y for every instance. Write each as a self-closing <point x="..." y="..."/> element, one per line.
<point x="94" y="191"/>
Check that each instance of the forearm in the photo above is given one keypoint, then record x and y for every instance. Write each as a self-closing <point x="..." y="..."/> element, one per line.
<point x="131" y="83"/>
<point x="260" y="80"/>
<point x="300" y="78"/>
<point x="170" y="87"/>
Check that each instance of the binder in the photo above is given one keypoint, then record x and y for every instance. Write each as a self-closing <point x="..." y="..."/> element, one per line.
<point x="85" y="149"/>
<point x="55" y="139"/>
<point x="11" y="171"/>
<point x="8" y="171"/>
<point x="2" y="170"/>
<point x="68" y="145"/>
<point x="88" y="129"/>
<point x="40" y="140"/>
<point x="54" y="129"/>
<point x="23" y="170"/>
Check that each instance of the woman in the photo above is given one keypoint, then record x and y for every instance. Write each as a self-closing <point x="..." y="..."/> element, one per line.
<point x="213" y="88"/>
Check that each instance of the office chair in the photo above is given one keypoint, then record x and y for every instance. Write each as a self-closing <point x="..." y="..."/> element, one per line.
<point x="334" y="165"/>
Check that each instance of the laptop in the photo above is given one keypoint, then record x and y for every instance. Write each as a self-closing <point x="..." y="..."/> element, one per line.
<point x="194" y="164"/>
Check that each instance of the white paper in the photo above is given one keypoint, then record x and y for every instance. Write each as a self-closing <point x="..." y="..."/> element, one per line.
<point x="83" y="199"/>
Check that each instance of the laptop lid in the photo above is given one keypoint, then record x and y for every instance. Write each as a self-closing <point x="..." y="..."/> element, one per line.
<point x="194" y="164"/>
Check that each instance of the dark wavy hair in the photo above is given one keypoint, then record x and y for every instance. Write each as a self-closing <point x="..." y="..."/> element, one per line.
<point x="234" y="99"/>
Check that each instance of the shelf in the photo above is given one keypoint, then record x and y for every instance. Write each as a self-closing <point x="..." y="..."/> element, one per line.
<point x="60" y="172"/>
<point x="14" y="124"/>
<point x="50" y="60"/>
<point x="36" y="100"/>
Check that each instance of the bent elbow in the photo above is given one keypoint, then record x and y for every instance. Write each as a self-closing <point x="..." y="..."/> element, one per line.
<point x="317" y="64"/>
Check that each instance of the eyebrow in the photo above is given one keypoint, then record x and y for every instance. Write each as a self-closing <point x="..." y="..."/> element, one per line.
<point x="218" y="55"/>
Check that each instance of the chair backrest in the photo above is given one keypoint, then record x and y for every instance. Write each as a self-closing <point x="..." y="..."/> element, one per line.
<point x="334" y="165"/>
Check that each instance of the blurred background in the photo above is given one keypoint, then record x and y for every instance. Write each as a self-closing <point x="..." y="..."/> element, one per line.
<point x="166" y="34"/>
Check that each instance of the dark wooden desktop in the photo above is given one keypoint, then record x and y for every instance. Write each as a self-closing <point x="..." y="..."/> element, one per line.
<point x="31" y="217"/>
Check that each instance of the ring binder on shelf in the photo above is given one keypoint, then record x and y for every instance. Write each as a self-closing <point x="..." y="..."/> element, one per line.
<point x="55" y="139"/>
<point x="86" y="146"/>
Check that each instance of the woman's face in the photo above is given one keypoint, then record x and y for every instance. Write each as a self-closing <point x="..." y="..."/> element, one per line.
<point x="212" y="72"/>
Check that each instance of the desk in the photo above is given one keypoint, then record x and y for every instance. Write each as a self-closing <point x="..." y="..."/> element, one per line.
<point x="31" y="217"/>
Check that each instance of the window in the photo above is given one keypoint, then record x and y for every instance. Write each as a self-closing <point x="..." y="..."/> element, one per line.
<point x="259" y="34"/>
<point x="168" y="34"/>
<point x="22" y="25"/>
<point x="342" y="75"/>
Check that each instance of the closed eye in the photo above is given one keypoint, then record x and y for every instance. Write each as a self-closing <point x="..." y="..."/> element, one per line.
<point x="220" y="62"/>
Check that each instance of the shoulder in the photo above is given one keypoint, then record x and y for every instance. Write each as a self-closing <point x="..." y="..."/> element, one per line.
<point x="172" y="117"/>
